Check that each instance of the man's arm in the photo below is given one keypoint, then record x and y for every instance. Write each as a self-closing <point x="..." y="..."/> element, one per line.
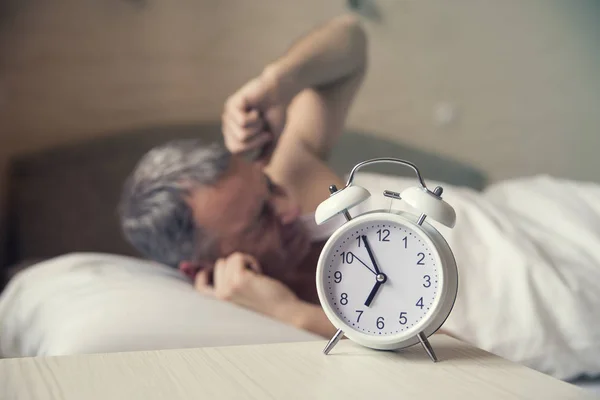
<point x="309" y="317"/>
<point x="321" y="73"/>
<point x="307" y="91"/>
<point x="233" y="281"/>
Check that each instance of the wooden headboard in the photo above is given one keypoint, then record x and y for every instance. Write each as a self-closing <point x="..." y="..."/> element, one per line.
<point x="64" y="199"/>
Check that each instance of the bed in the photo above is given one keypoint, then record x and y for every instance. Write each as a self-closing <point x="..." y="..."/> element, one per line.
<point x="62" y="201"/>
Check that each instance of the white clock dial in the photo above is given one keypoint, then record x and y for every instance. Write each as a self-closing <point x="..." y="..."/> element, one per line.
<point x="389" y="291"/>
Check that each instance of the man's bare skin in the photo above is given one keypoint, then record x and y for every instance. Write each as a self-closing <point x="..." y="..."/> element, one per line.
<point x="292" y="114"/>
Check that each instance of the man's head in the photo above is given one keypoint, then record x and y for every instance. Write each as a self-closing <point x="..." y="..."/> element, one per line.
<point x="187" y="204"/>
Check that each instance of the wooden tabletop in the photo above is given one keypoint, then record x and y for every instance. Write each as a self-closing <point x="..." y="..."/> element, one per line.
<point x="281" y="371"/>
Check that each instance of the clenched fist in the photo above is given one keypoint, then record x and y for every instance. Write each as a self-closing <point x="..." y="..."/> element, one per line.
<point x="255" y="115"/>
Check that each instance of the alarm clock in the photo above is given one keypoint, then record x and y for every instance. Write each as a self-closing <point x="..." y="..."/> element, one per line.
<point x="387" y="279"/>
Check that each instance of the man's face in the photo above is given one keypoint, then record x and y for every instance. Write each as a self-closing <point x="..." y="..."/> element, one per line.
<point x="248" y="213"/>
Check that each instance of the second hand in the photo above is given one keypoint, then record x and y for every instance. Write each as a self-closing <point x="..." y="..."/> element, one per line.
<point x="361" y="261"/>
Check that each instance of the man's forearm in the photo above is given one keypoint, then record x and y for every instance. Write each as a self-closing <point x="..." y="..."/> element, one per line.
<point x="309" y="317"/>
<point x="328" y="54"/>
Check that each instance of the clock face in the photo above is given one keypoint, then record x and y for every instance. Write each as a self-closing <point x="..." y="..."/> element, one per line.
<point x="380" y="277"/>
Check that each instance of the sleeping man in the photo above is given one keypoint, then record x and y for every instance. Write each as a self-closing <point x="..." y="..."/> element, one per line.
<point x="210" y="211"/>
<point x="236" y="219"/>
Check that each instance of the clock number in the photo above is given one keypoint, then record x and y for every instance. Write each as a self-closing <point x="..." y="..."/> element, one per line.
<point x="358" y="239"/>
<point x="380" y="323"/>
<point x="347" y="258"/>
<point x="344" y="299"/>
<point x="359" y="315"/>
<point x="405" y="242"/>
<point x="383" y="235"/>
<point x="427" y="281"/>
<point x="420" y="303"/>
<point x="420" y="262"/>
<point x="337" y="276"/>
<point x="403" y="319"/>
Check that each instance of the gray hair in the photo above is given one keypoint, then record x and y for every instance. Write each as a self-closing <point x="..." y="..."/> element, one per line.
<point x="155" y="215"/>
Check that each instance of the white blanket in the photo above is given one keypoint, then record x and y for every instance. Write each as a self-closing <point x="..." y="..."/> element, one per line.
<point x="528" y="254"/>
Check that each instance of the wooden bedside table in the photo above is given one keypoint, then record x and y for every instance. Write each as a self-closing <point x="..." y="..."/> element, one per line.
<point x="281" y="371"/>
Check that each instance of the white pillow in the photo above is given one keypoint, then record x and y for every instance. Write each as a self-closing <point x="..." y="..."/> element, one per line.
<point x="89" y="303"/>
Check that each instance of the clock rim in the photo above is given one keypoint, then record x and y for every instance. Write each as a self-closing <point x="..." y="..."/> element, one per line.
<point x="444" y="302"/>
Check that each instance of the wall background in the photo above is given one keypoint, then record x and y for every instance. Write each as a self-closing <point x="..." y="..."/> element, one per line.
<point x="522" y="77"/>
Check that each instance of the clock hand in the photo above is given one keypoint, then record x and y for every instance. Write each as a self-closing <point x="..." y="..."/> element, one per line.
<point x="372" y="294"/>
<point x="364" y="238"/>
<point x="361" y="261"/>
<point x="381" y="278"/>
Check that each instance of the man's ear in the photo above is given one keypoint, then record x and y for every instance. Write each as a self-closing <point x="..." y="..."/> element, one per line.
<point x="190" y="268"/>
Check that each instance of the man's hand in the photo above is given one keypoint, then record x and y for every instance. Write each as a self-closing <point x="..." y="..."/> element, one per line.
<point x="237" y="279"/>
<point x="254" y="116"/>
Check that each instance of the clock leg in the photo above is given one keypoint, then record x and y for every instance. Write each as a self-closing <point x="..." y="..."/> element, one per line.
<point x="427" y="346"/>
<point x="334" y="340"/>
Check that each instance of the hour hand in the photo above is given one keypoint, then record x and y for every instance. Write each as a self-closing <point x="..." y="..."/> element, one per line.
<point x="381" y="278"/>
<point x="372" y="294"/>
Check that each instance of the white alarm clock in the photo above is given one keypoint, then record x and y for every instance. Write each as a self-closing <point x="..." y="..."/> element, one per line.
<point x="387" y="279"/>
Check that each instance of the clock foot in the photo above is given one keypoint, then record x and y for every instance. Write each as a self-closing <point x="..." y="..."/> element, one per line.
<point x="334" y="340"/>
<point x="427" y="346"/>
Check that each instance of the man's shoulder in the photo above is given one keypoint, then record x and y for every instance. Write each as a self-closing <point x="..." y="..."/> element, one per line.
<point x="304" y="175"/>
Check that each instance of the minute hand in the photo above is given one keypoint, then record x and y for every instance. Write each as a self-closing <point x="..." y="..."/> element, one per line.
<point x="364" y="238"/>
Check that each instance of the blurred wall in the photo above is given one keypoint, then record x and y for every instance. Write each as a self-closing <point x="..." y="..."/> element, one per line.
<point x="512" y="87"/>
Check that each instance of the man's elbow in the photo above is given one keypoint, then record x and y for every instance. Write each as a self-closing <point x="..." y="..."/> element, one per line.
<point x="358" y="39"/>
<point x="349" y="21"/>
